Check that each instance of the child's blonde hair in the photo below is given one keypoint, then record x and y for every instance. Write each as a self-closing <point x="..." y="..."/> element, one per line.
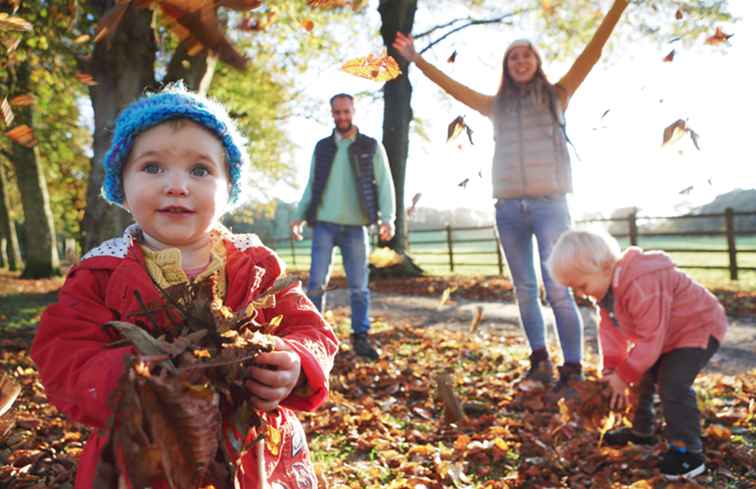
<point x="582" y="252"/>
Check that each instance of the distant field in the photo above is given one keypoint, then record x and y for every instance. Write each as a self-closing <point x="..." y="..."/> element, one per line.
<point x="474" y="253"/>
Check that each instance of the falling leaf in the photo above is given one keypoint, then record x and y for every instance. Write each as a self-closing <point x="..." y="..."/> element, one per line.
<point x="377" y="68"/>
<point x="686" y="190"/>
<point x="11" y="23"/>
<point x="464" y="183"/>
<point x="694" y="137"/>
<point x="605" y="113"/>
<point x="669" y="57"/>
<point x="475" y="323"/>
<point x="9" y="391"/>
<point x="241" y="5"/>
<point x="455" y="128"/>
<point x="201" y="353"/>
<point x="8" y="115"/>
<point x="415" y="199"/>
<point x="452" y="57"/>
<point x="326" y="4"/>
<point x="110" y="20"/>
<point x="674" y="131"/>
<point x="718" y="37"/>
<point x="23" y="135"/>
<point x="384" y="257"/>
<point x="308" y="25"/>
<point x="469" y="133"/>
<point x="22" y="100"/>
<point x="453" y="411"/>
<point x="548" y="7"/>
<point x="82" y="39"/>
<point x="86" y="78"/>
<point x="10" y="43"/>
<point x="445" y="295"/>
<point x="679" y="14"/>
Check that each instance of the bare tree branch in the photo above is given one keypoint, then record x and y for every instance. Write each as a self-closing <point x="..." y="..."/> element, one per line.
<point x="470" y="22"/>
<point x="441" y="26"/>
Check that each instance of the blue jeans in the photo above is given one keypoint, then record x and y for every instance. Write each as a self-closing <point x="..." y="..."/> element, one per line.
<point x="353" y="243"/>
<point x="546" y="218"/>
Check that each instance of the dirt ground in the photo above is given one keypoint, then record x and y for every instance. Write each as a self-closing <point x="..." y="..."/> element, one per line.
<point x="737" y="353"/>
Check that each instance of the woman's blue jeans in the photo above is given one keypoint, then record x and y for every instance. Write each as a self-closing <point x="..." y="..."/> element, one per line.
<point x="353" y="243"/>
<point x="546" y="218"/>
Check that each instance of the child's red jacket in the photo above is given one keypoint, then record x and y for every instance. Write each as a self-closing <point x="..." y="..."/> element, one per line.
<point x="79" y="370"/>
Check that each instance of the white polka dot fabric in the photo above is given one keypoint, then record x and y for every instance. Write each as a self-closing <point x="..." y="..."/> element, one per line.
<point x="116" y="247"/>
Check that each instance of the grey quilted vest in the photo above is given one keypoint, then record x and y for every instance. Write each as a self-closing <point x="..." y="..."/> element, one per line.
<point x="531" y="157"/>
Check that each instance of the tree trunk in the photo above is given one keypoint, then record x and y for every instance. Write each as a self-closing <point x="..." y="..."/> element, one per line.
<point x="398" y="15"/>
<point x="123" y="67"/>
<point x="195" y="71"/>
<point x="9" y="250"/>
<point x="397" y="113"/>
<point x="40" y="244"/>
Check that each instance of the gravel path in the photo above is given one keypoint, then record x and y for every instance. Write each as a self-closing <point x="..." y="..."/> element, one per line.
<point x="737" y="353"/>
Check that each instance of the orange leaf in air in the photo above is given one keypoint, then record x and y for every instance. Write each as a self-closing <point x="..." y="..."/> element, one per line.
<point x="679" y="14"/>
<point x="452" y="57"/>
<point x="86" y="78"/>
<point x="23" y="135"/>
<point x="718" y="37"/>
<point x="668" y="58"/>
<point x="308" y="25"/>
<point x="377" y="68"/>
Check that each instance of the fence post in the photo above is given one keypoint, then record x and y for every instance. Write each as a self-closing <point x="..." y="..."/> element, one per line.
<point x="449" y="244"/>
<point x="293" y="251"/>
<point x="732" y="249"/>
<point x="632" y="224"/>
<point x="499" y="258"/>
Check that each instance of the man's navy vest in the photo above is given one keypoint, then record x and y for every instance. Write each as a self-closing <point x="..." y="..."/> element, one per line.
<point x="361" y="153"/>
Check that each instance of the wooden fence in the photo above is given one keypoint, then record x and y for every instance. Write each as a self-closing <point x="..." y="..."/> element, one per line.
<point x="633" y="233"/>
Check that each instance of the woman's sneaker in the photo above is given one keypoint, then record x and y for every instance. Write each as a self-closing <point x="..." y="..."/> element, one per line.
<point x="679" y="464"/>
<point x="624" y="436"/>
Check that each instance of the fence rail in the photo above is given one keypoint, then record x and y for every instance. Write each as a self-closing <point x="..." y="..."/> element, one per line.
<point x="449" y="245"/>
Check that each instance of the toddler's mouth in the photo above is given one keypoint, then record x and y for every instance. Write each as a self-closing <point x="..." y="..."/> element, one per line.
<point x="175" y="209"/>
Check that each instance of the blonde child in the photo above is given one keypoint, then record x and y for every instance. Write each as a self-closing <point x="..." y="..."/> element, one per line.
<point x="175" y="163"/>
<point x="674" y="325"/>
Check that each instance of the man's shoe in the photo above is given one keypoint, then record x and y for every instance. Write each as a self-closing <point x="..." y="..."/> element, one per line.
<point x="362" y="347"/>
<point x="624" y="436"/>
<point x="540" y="367"/>
<point x="679" y="464"/>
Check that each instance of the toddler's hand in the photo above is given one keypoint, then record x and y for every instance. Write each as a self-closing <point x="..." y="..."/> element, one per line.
<point x="619" y="391"/>
<point x="273" y="376"/>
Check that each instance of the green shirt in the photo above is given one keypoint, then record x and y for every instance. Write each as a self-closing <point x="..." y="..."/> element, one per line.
<point x="341" y="202"/>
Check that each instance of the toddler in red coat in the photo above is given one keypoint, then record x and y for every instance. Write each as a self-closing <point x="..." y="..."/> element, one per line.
<point x="176" y="163"/>
<point x="658" y="329"/>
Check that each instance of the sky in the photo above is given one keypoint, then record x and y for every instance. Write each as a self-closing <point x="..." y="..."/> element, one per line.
<point x="620" y="160"/>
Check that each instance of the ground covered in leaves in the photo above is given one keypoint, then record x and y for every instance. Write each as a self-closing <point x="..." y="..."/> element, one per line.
<point x="384" y="425"/>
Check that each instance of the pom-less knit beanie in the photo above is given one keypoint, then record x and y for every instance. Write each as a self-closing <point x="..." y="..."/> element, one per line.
<point x="174" y="102"/>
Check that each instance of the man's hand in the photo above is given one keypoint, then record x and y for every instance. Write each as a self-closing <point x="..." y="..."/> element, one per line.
<point x="296" y="229"/>
<point x="619" y="392"/>
<point x="273" y="376"/>
<point x="387" y="231"/>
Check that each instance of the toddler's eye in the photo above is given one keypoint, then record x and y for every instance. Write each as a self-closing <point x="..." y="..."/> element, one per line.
<point x="151" y="168"/>
<point x="200" y="171"/>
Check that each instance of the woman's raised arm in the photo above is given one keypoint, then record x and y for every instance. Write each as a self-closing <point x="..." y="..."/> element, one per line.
<point x="475" y="100"/>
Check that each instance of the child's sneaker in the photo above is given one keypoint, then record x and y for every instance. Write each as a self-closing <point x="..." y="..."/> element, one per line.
<point x="623" y="436"/>
<point x="680" y="463"/>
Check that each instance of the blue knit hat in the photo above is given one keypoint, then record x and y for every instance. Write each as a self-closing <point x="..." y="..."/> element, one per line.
<point x="174" y="102"/>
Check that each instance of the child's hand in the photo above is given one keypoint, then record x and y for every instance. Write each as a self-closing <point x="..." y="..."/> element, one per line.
<point x="273" y="376"/>
<point x="619" y="391"/>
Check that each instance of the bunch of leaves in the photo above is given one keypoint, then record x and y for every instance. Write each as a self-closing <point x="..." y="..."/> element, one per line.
<point x="167" y="408"/>
<point x="380" y="68"/>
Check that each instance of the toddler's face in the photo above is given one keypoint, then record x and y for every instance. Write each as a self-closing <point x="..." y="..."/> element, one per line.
<point x="176" y="183"/>
<point x="594" y="284"/>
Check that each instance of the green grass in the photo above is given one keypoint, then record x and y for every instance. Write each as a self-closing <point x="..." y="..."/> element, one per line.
<point x="20" y="312"/>
<point x="430" y="251"/>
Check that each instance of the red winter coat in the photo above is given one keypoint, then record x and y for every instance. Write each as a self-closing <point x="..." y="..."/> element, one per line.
<point x="658" y="309"/>
<point x="79" y="370"/>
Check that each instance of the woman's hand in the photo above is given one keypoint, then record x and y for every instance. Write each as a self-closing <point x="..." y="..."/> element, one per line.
<point x="619" y="392"/>
<point x="406" y="47"/>
<point x="273" y="376"/>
